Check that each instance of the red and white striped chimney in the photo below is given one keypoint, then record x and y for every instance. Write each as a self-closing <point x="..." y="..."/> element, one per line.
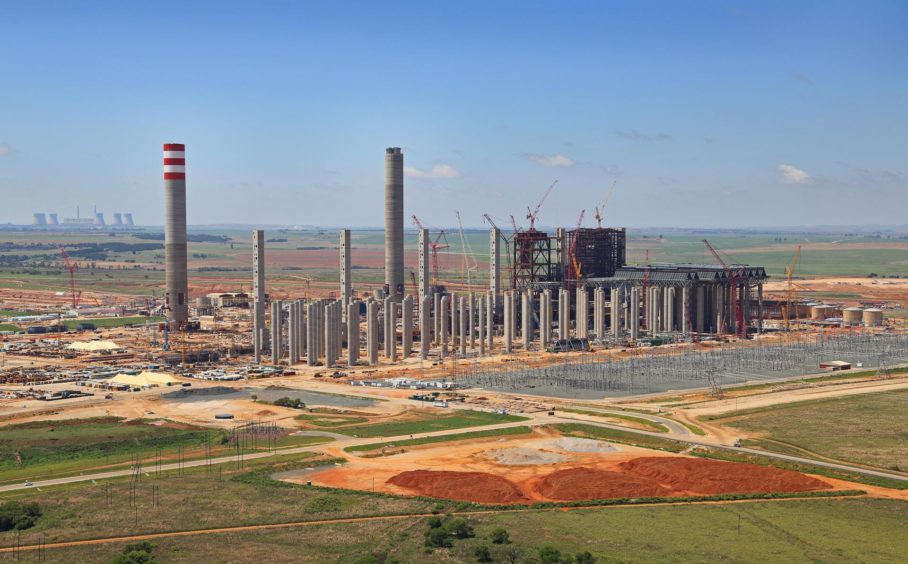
<point x="174" y="161"/>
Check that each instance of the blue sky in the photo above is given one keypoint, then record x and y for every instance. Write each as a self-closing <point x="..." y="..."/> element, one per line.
<point x="706" y="114"/>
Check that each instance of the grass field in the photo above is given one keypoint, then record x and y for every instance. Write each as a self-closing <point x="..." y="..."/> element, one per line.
<point x="785" y="531"/>
<point x="507" y="431"/>
<point x="867" y="429"/>
<point x="442" y="421"/>
<point x="649" y="425"/>
<point x="108" y="322"/>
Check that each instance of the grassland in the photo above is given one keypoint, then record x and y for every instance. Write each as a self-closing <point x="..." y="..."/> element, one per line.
<point x="869" y="429"/>
<point x="51" y="449"/>
<point x="640" y="421"/>
<point x="784" y="531"/>
<point x="455" y="419"/>
<point x="506" y="431"/>
<point x="109" y="322"/>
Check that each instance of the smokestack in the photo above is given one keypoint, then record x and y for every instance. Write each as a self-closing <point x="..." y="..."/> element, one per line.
<point x="99" y="218"/>
<point x="176" y="297"/>
<point x="118" y="218"/>
<point x="53" y="219"/>
<point x="394" y="222"/>
<point x="128" y="218"/>
<point x="40" y="219"/>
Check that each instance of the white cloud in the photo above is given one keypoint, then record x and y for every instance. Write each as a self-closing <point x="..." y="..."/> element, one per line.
<point x="558" y="160"/>
<point x="437" y="171"/>
<point x="635" y="135"/>
<point x="5" y="149"/>
<point x="789" y="174"/>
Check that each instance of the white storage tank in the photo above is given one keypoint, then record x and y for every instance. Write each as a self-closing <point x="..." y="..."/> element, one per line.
<point x="852" y="316"/>
<point x="873" y="317"/>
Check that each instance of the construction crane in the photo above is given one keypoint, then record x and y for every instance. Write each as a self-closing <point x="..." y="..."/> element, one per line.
<point x="506" y="239"/>
<point x="601" y="209"/>
<point x="466" y="267"/>
<point x="791" y="292"/>
<point x="532" y="215"/>
<point x="434" y="247"/>
<point x="733" y="278"/>
<point x="71" y="268"/>
<point x="572" y="251"/>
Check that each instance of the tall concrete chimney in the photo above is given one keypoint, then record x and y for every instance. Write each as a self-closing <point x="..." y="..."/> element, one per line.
<point x="394" y="222"/>
<point x="177" y="295"/>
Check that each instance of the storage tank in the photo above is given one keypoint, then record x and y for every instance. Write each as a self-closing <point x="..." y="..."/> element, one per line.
<point x="852" y="316"/>
<point x="819" y="312"/>
<point x="873" y="317"/>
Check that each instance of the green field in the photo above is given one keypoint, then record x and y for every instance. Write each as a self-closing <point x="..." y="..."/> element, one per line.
<point x="784" y="531"/>
<point x="869" y="429"/>
<point x="109" y="322"/>
<point x="651" y="425"/>
<point x="442" y="421"/>
<point x="443" y="438"/>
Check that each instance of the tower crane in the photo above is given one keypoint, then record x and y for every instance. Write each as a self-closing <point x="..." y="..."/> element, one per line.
<point x="572" y="251"/>
<point x="506" y="239"/>
<point x="71" y="268"/>
<point x="733" y="278"/>
<point x="532" y="215"/>
<point x="466" y="267"/>
<point x="434" y="247"/>
<point x="791" y="293"/>
<point x="601" y="209"/>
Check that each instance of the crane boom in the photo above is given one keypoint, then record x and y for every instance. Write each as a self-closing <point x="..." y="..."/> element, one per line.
<point x="733" y="278"/>
<point x="531" y="215"/>
<point x="791" y="293"/>
<point x="71" y="268"/>
<point x="601" y="209"/>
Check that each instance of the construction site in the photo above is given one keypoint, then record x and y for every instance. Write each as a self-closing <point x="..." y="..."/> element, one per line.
<point x="554" y="371"/>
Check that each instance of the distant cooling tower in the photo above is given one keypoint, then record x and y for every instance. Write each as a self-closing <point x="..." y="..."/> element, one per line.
<point x="394" y="222"/>
<point x="53" y="219"/>
<point x="118" y="218"/>
<point x="99" y="219"/>
<point x="128" y="218"/>
<point x="40" y="219"/>
<point x="177" y="296"/>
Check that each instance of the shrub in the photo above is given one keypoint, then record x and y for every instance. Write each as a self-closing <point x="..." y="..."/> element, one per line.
<point x="483" y="554"/>
<point x="460" y="528"/>
<point x="139" y="553"/>
<point x="500" y="536"/>
<point x="434" y="522"/>
<point x="438" y="538"/>
<point x="549" y="555"/>
<point x="584" y="558"/>
<point x="19" y="516"/>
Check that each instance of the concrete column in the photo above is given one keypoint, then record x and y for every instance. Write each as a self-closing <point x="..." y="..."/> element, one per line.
<point x="352" y="333"/>
<point x="599" y="313"/>
<point x="564" y="313"/>
<point x="443" y="325"/>
<point x="346" y="278"/>
<point x="436" y="318"/>
<point x="700" y="305"/>
<point x="490" y="321"/>
<point x="425" y="328"/>
<point x="391" y="331"/>
<point x="471" y="327"/>
<point x="311" y="330"/>
<point x="462" y="318"/>
<point x="508" y="329"/>
<point x="423" y="267"/>
<point x="685" y="310"/>
<point x="513" y="321"/>
<point x="407" y="325"/>
<point x="721" y="326"/>
<point x="482" y="326"/>
<point x="495" y="265"/>
<point x="526" y="318"/>
<point x="546" y="321"/>
<point x="387" y="320"/>
<point x="668" y="307"/>
<point x="259" y="334"/>
<point x="293" y="333"/>
<point x="372" y="331"/>
<point x="455" y="322"/>
<point x="581" y="326"/>
<point x="615" y="317"/>
<point x="328" y="329"/>
<point x="276" y="339"/>
<point x="634" y="316"/>
<point x="760" y="307"/>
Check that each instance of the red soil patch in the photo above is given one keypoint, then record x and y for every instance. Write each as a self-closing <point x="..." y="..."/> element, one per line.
<point x="464" y="486"/>
<point x="575" y="484"/>
<point x="704" y="476"/>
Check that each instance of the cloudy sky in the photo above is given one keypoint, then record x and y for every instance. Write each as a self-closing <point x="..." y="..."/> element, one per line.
<point x="704" y="113"/>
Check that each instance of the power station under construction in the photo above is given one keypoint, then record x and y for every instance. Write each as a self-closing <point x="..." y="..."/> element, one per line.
<point x="566" y="290"/>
